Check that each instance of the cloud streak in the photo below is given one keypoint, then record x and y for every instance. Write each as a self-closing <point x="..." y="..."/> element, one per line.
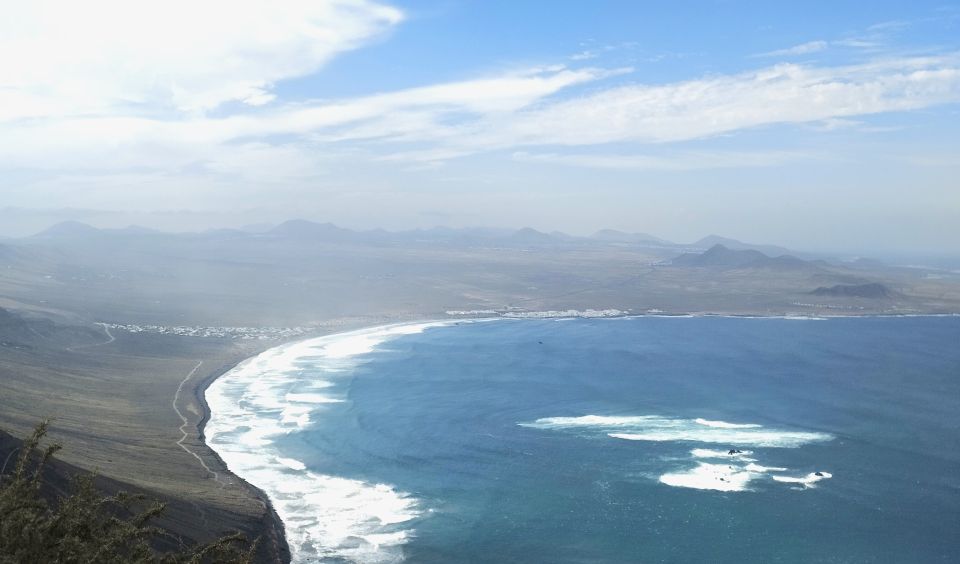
<point x="514" y="110"/>
<point x="707" y="107"/>
<point x="181" y="93"/>
<point x="802" y="49"/>
<point x="677" y="162"/>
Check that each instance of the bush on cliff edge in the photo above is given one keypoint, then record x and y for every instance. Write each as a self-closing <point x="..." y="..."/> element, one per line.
<point x="87" y="526"/>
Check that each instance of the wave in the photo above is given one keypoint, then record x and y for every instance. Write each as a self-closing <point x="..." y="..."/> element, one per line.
<point x="708" y="453"/>
<point x="773" y="439"/>
<point x="807" y="481"/>
<point x="734" y="474"/>
<point x="705" y="476"/>
<point x="276" y="393"/>
<point x="591" y="421"/>
<point x="719" y="477"/>
<point x="661" y="429"/>
<point x="725" y="425"/>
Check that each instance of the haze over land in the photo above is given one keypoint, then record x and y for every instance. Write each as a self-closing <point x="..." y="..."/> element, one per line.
<point x="300" y="272"/>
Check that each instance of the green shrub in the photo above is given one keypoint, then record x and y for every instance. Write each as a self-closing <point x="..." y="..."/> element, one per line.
<point x="87" y="526"/>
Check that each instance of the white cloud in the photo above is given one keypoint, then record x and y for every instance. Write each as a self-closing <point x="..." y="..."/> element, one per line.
<point x="675" y="162"/>
<point x="266" y="164"/>
<point x="711" y="106"/>
<point x="836" y="124"/>
<point x="583" y="56"/>
<point x="98" y="57"/>
<point x="857" y="43"/>
<point x="873" y="38"/>
<point x="523" y="109"/>
<point x="802" y="49"/>
<point x="509" y="111"/>
<point x="85" y="142"/>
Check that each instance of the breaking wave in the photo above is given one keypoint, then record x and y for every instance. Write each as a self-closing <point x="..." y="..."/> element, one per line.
<point x="326" y="518"/>
<point x="738" y="467"/>
<point x="660" y="429"/>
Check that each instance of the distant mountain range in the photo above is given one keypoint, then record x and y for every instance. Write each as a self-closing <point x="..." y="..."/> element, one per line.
<point x="720" y="256"/>
<point x="67" y="229"/>
<point x="298" y="272"/>
<point x="614" y="236"/>
<point x="713" y="240"/>
<point x="303" y="230"/>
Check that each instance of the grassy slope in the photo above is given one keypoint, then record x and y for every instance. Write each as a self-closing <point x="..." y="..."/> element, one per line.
<point x="112" y="410"/>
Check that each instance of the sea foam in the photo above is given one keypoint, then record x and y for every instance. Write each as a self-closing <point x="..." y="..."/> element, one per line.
<point x="720" y="477"/>
<point x="724" y="424"/>
<point x="807" y="481"/>
<point x="326" y="518"/>
<point x="705" y="476"/>
<point x="738" y="468"/>
<point x="725" y="454"/>
<point x="660" y="429"/>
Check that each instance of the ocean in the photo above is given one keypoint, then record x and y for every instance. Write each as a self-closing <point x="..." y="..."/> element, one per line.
<point x="646" y="439"/>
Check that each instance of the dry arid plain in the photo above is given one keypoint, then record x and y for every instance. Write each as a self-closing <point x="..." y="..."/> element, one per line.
<point x="115" y="333"/>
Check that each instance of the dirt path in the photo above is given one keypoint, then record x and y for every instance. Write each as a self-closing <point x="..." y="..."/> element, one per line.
<point x="186" y="424"/>
<point x="110" y="339"/>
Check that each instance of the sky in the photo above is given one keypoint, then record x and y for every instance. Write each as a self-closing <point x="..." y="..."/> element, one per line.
<point x="815" y="125"/>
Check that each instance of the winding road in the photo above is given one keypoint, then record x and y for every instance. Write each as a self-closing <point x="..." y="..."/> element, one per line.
<point x="186" y="423"/>
<point x="110" y="339"/>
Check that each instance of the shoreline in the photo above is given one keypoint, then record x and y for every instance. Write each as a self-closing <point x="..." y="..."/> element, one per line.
<point x="274" y="533"/>
<point x="692" y="314"/>
<point x="393" y="328"/>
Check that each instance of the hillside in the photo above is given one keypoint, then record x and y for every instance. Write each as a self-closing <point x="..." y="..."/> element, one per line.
<point x="301" y="273"/>
<point x="872" y="290"/>
<point x="720" y="256"/>
<point x="111" y="398"/>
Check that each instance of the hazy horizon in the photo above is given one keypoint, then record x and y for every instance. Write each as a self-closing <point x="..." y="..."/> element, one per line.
<point x="17" y="223"/>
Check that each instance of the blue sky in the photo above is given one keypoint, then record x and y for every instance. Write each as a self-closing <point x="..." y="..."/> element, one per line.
<point x="817" y="125"/>
<point x="665" y="41"/>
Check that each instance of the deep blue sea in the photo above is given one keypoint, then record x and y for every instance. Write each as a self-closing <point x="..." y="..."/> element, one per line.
<point x="651" y="439"/>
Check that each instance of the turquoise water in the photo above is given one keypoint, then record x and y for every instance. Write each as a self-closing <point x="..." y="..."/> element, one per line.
<point x="610" y="440"/>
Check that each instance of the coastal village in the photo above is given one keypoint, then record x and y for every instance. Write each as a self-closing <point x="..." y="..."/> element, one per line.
<point x="241" y="333"/>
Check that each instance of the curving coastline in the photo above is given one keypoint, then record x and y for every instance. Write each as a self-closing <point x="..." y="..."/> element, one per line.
<point x="273" y="545"/>
<point x="249" y="404"/>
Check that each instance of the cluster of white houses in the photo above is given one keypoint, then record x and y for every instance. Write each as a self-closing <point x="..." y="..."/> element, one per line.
<point x="260" y="333"/>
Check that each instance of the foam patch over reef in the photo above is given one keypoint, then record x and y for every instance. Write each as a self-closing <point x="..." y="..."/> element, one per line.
<point x="326" y="518"/>
<point x="660" y="429"/>
<point x="731" y="469"/>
